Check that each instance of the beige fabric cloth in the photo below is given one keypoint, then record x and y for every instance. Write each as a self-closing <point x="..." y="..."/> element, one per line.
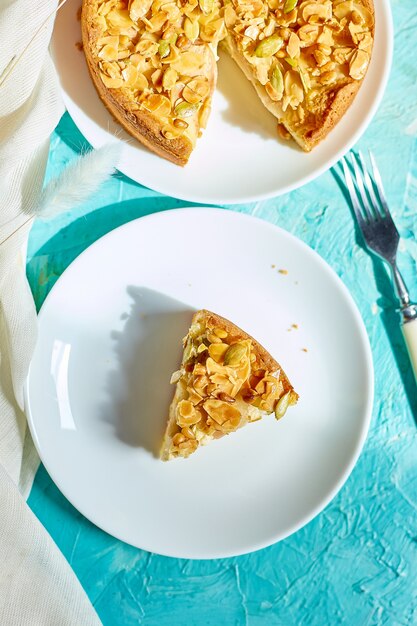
<point x="37" y="586"/>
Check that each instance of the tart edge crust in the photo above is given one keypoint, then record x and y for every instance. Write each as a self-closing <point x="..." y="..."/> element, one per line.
<point x="142" y="125"/>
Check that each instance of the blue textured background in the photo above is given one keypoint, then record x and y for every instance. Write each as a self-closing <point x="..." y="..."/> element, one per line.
<point x="356" y="563"/>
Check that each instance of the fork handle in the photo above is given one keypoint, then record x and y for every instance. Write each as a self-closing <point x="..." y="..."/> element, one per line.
<point x="410" y="336"/>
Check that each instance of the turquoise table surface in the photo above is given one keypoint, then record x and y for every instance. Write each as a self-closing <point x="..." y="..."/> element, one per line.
<point x="356" y="563"/>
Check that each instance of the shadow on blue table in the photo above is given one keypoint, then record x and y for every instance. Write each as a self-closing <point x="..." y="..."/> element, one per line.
<point x="388" y="306"/>
<point x="61" y="249"/>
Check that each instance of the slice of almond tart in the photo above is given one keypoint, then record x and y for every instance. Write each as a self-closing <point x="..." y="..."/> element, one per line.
<point x="227" y="380"/>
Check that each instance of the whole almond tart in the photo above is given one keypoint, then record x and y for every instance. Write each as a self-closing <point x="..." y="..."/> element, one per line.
<point x="154" y="63"/>
<point x="226" y="381"/>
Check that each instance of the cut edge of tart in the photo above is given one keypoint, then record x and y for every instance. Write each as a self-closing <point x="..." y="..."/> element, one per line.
<point x="318" y="65"/>
<point x="226" y="380"/>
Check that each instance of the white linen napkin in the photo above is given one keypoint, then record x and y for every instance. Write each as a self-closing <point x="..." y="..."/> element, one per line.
<point x="37" y="585"/>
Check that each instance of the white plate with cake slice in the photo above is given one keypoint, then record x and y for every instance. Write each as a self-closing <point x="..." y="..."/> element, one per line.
<point x="240" y="157"/>
<point x="98" y="392"/>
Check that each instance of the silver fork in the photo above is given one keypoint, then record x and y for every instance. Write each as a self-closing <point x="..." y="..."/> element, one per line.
<point x="380" y="235"/>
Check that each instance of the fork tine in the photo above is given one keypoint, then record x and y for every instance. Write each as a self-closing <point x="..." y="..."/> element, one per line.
<point x="379" y="185"/>
<point x="359" y="183"/>
<point x="352" y="192"/>
<point x="370" y="187"/>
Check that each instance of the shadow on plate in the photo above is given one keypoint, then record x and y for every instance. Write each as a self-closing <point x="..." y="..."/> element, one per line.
<point x="148" y="351"/>
<point x="245" y="109"/>
<point x="48" y="262"/>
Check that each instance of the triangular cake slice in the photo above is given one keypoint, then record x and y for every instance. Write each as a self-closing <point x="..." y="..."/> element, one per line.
<point x="227" y="379"/>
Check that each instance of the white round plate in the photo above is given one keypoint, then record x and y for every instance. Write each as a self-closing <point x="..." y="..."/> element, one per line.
<point x="239" y="158"/>
<point x="98" y="391"/>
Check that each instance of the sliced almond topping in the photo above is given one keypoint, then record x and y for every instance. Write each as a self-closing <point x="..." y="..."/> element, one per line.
<point x="359" y="64"/>
<point x="308" y="34"/>
<point x="169" y="79"/>
<point x="230" y="16"/>
<point x="171" y="132"/>
<point x="196" y="90"/>
<point x="365" y="41"/>
<point x="293" y="46"/>
<point x="191" y="29"/>
<point x="191" y="62"/>
<point x="283" y="132"/>
<point x="156" y="78"/>
<point x="147" y="48"/>
<point x="188" y="432"/>
<point x="130" y="75"/>
<point x="175" y="377"/>
<point x="187" y="414"/>
<point x="222" y="412"/>
<point x="204" y="114"/>
<point x="120" y="20"/>
<point x="138" y="8"/>
<point x="157" y="102"/>
<point x="112" y="40"/>
<point x="108" y="53"/>
<point x="328" y="77"/>
<point x="343" y="55"/>
<point x="206" y="6"/>
<point x="252" y="32"/>
<point x="187" y="447"/>
<point x="326" y="37"/>
<point x="320" y="57"/>
<point x="220" y="332"/>
<point x="317" y="11"/>
<point x="183" y="43"/>
<point x="111" y="83"/>
<point x="178" y="438"/>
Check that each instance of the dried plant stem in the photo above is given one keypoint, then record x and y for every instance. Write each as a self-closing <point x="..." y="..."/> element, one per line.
<point x="16" y="230"/>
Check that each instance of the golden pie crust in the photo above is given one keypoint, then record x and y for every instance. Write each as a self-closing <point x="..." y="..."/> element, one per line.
<point x="153" y="62"/>
<point x="226" y="380"/>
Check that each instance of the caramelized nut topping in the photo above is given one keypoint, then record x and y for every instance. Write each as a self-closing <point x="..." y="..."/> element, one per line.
<point x="165" y="48"/>
<point x="222" y="388"/>
<point x="159" y="53"/>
